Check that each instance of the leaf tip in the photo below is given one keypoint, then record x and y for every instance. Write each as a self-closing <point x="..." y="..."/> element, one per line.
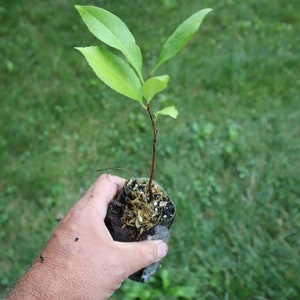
<point x="78" y="48"/>
<point x="208" y="10"/>
<point x="78" y="7"/>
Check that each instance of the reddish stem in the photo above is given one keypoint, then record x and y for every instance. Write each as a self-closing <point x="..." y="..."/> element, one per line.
<point x="153" y="165"/>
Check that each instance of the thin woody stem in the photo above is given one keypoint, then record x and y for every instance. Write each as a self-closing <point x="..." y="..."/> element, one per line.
<point x="153" y="165"/>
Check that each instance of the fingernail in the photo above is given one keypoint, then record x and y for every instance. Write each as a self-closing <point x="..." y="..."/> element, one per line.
<point x="162" y="249"/>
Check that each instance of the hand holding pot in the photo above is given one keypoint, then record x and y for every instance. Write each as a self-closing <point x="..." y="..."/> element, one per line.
<point x="81" y="260"/>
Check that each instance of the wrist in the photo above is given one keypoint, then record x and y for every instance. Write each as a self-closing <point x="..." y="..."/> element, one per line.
<point x="50" y="276"/>
<point x="33" y="285"/>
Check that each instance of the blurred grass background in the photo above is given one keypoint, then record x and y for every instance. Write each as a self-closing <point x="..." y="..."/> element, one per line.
<point x="230" y="162"/>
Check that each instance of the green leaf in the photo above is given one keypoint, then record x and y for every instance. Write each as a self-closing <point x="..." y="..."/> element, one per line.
<point x="181" y="36"/>
<point x="169" y="111"/>
<point x="154" y="85"/>
<point x="113" y="71"/>
<point x="112" y="31"/>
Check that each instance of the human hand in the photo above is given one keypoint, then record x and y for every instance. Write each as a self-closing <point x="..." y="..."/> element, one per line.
<point x="81" y="260"/>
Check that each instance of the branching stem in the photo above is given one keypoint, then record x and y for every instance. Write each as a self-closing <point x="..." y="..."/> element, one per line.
<point x="153" y="165"/>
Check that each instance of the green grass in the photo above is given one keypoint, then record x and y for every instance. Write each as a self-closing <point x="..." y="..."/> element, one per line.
<point x="230" y="162"/>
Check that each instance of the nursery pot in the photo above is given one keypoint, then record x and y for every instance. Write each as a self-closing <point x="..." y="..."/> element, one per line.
<point x="134" y="215"/>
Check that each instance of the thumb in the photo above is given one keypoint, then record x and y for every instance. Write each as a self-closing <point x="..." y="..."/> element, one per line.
<point x="137" y="255"/>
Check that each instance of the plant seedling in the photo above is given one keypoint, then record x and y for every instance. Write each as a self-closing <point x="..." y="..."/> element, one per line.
<point x="143" y="208"/>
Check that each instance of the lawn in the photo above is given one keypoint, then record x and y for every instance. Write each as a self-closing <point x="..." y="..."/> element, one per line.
<point x="230" y="162"/>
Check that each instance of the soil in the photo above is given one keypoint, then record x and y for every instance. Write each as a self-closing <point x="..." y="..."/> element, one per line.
<point x="132" y="215"/>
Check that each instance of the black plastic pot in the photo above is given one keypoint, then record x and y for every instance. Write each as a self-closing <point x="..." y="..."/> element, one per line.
<point x="133" y="216"/>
